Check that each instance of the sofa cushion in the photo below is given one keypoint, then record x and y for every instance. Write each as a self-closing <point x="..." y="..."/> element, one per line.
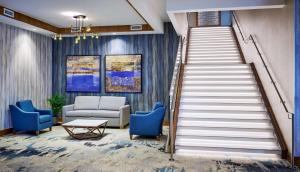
<point x="86" y="102"/>
<point x="106" y="113"/>
<point x="111" y="102"/>
<point x="83" y="113"/>
<point x="26" y="105"/>
<point x="45" y="118"/>
<point x="93" y="113"/>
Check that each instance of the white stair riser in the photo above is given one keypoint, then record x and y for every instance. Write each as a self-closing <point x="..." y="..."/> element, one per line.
<point x="211" y="42"/>
<point x="241" y="66"/>
<point x="221" y="100"/>
<point x="222" y="52"/>
<point x="209" y="73"/>
<point x="246" y="125"/>
<point x="221" y="94"/>
<point x="196" y="59"/>
<point x="226" y="144"/>
<point x="210" y="32"/>
<point x="217" y="51"/>
<point x="221" y="89"/>
<point x="214" y="133"/>
<point x="185" y="115"/>
<point x="229" y="61"/>
<point x="184" y="106"/>
<point x="192" y="82"/>
<point x="193" y="67"/>
<point x="227" y="38"/>
<point x="212" y="46"/>
<point x="216" y="62"/>
<point x="211" y="77"/>
<point x="197" y="44"/>
<point x="203" y="152"/>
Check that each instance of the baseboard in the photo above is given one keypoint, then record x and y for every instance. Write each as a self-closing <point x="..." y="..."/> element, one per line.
<point x="6" y="131"/>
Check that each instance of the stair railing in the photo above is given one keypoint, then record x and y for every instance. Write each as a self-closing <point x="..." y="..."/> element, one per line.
<point x="290" y="114"/>
<point x="173" y="96"/>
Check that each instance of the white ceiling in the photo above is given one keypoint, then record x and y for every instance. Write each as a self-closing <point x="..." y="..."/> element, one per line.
<point x="99" y="12"/>
<point x="180" y="6"/>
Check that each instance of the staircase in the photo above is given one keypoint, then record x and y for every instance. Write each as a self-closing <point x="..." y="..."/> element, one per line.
<point x="221" y="110"/>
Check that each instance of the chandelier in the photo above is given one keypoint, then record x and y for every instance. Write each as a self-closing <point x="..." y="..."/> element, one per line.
<point x="80" y="30"/>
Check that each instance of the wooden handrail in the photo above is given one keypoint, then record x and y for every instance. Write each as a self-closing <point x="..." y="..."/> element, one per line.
<point x="177" y="95"/>
<point x="174" y="99"/>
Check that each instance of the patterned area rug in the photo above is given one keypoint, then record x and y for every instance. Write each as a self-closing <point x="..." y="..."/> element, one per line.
<point x="57" y="151"/>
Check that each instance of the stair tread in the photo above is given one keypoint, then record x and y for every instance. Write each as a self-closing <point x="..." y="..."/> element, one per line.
<point x="221" y="133"/>
<point x="227" y="143"/>
<point x="221" y="99"/>
<point x="222" y="124"/>
<point x="205" y="88"/>
<point x="228" y="154"/>
<point x="199" y="115"/>
<point x="209" y="82"/>
<point x="214" y="106"/>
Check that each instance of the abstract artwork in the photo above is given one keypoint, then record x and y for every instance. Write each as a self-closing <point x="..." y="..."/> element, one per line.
<point x="83" y="74"/>
<point x="123" y="73"/>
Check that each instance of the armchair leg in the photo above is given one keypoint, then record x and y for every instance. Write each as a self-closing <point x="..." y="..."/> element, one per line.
<point x="50" y="128"/>
<point x="14" y="132"/>
<point x="130" y="136"/>
<point x="37" y="132"/>
<point x="158" y="138"/>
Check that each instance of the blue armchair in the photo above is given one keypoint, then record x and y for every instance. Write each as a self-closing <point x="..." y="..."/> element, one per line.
<point x="147" y="123"/>
<point x="25" y="117"/>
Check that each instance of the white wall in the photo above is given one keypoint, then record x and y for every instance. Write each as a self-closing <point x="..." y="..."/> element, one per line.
<point x="179" y="22"/>
<point x="273" y="29"/>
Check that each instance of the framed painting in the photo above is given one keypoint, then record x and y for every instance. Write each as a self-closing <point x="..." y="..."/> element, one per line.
<point x="123" y="73"/>
<point x="82" y="73"/>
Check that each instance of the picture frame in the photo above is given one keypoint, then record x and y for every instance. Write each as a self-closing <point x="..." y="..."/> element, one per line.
<point x="123" y="73"/>
<point x="83" y="73"/>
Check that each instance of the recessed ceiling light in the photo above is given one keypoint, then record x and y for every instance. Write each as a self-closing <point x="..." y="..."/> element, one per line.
<point x="114" y="33"/>
<point x="70" y="13"/>
<point x="34" y="29"/>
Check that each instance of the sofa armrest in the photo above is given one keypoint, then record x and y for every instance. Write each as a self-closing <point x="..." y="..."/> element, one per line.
<point x="124" y="115"/>
<point x="44" y="112"/>
<point x="24" y="120"/>
<point x="66" y="109"/>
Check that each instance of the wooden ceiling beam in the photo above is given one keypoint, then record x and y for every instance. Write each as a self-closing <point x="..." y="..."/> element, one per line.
<point x="101" y="29"/>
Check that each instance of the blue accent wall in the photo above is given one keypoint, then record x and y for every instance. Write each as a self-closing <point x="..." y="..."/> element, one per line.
<point x="226" y="18"/>
<point x="158" y="59"/>
<point x="297" y="79"/>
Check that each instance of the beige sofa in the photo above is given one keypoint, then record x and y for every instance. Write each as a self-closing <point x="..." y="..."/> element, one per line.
<point x="110" y="108"/>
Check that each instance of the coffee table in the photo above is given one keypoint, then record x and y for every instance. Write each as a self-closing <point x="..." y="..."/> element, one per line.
<point x="94" y="128"/>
